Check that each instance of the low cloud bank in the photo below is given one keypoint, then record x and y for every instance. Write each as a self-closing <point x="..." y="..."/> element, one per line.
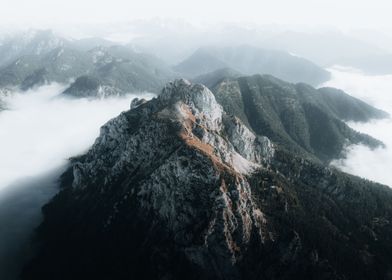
<point x="376" y="90"/>
<point x="38" y="133"/>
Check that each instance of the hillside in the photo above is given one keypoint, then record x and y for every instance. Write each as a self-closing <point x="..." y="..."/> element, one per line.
<point x="176" y="188"/>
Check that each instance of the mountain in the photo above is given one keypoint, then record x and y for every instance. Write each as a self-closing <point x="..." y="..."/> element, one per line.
<point x="88" y="86"/>
<point x="299" y="117"/>
<point x="201" y="62"/>
<point x="119" y="69"/>
<point x="331" y="48"/>
<point x="325" y="48"/>
<point x="90" y="43"/>
<point x="176" y="188"/>
<point x="210" y="79"/>
<point x="59" y="65"/>
<point x="32" y="42"/>
<point x="348" y="108"/>
<point x="251" y="60"/>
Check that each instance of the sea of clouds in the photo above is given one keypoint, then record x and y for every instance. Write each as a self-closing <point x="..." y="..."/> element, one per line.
<point x="376" y="90"/>
<point x="39" y="131"/>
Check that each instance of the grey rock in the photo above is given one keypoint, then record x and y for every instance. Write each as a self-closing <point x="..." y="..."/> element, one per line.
<point x="176" y="188"/>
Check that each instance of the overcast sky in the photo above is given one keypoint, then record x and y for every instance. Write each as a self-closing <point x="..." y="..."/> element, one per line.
<point x="338" y="13"/>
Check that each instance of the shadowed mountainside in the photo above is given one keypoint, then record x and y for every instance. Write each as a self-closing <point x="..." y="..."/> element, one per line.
<point x="177" y="188"/>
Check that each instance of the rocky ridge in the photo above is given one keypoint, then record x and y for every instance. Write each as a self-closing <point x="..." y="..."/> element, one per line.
<point x="176" y="188"/>
<point x="300" y="118"/>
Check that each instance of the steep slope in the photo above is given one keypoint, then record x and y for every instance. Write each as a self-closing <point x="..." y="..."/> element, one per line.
<point x="348" y="108"/>
<point x="251" y="60"/>
<point x="200" y="62"/>
<point x="297" y="116"/>
<point x="177" y="189"/>
<point x="211" y="79"/>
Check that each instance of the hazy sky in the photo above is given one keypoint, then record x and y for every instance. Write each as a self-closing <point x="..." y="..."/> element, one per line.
<point x="338" y="13"/>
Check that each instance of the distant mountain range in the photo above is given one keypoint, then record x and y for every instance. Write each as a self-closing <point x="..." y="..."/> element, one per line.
<point x="33" y="42"/>
<point x="181" y="187"/>
<point x="45" y="58"/>
<point x="250" y="60"/>
<point x="40" y="57"/>
<point x="326" y="47"/>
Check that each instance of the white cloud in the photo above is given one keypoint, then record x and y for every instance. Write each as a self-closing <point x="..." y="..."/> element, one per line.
<point x="376" y="90"/>
<point x="40" y="131"/>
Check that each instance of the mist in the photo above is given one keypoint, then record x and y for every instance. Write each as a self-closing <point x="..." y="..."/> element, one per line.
<point x="39" y="131"/>
<point x="377" y="91"/>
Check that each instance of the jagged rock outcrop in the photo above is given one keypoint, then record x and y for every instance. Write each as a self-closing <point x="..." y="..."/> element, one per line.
<point x="177" y="189"/>
<point x="136" y="102"/>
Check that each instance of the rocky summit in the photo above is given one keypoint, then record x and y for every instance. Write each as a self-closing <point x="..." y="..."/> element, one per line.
<point x="176" y="188"/>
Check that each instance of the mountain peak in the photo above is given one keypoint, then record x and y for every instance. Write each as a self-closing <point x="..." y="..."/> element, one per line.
<point x="198" y="100"/>
<point x="176" y="188"/>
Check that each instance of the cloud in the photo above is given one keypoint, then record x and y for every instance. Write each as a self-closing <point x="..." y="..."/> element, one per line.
<point x="377" y="91"/>
<point x="40" y="131"/>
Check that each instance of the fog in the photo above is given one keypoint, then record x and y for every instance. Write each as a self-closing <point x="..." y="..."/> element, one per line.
<point x="339" y="13"/>
<point x="377" y="91"/>
<point x="39" y="131"/>
<point x="19" y="214"/>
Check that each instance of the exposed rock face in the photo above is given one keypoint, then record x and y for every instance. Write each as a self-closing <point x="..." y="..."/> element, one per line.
<point x="177" y="189"/>
<point x="136" y="102"/>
